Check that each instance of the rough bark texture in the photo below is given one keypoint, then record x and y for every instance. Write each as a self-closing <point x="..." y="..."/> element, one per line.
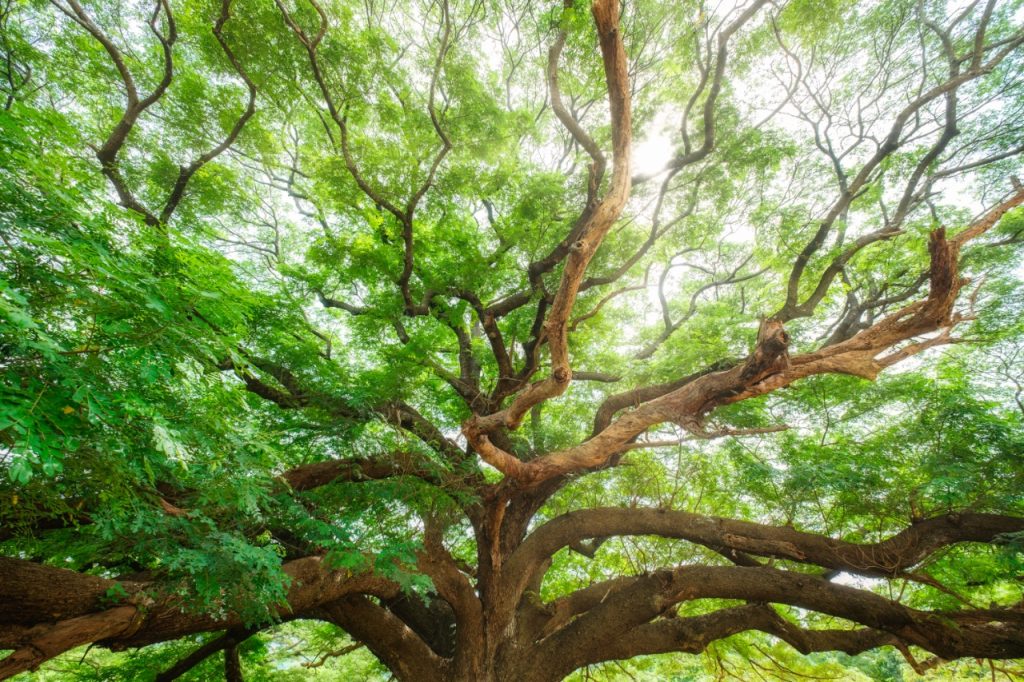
<point x="502" y="631"/>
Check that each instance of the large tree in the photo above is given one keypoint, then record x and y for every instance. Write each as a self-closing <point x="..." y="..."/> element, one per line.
<point x="463" y="328"/>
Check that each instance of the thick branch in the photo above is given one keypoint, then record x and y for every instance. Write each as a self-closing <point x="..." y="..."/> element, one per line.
<point x="693" y="635"/>
<point x="383" y="633"/>
<point x="887" y="558"/>
<point x="769" y="366"/>
<point x="60" y="606"/>
<point x="41" y="643"/>
<point x="596" y="226"/>
<point x="309" y="476"/>
<point x="947" y="634"/>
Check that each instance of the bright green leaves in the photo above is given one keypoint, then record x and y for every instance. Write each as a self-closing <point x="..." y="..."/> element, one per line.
<point x="20" y="471"/>
<point x="110" y="334"/>
<point x="811" y="19"/>
<point x="937" y="448"/>
<point x="226" y="574"/>
<point x="166" y="441"/>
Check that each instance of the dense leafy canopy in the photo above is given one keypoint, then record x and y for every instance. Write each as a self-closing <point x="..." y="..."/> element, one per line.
<point x="510" y="340"/>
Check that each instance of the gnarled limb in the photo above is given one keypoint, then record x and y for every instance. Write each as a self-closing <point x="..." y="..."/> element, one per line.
<point x="383" y="633"/>
<point x="598" y="221"/>
<point x="769" y="366"/>
<point x="887" y="558"/>
<point x="693" y="634"/>
<point x="49" y="610"/>
<point x="39" y="644"/>
<point x="454" y="587"/>
<point x="637" y="603"/>
<point x="635" y="397"/>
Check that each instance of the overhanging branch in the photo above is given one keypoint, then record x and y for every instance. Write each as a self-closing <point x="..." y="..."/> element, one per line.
<point x="887" y="558"/>
<point x="638" y="602"/>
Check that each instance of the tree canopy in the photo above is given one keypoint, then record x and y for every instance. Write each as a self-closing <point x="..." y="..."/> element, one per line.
<point x="500" y="340"/>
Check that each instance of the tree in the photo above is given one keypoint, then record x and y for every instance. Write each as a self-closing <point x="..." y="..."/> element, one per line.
<point x="371" y="314"/>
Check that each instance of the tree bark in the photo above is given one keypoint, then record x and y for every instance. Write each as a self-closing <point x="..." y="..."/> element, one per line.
<point x="499" y="629"/>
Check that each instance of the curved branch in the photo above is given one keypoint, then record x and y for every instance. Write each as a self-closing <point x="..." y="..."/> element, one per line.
<point x="581" y="136"/>
<point x="229" y="640"/>
<point x="294" y="394"/>
<point x="383" y="633"/>
<point x="41" y="643"/>
<point x="691" y="156"/>
<point x="887" y="558"/>
<point x="894" y="139"/>
<point x="635" y="397"/>
<point x="455" y="588"/>
<point x="134" y="106"/>
<point x="671" y="327"/>
<point x="632" y="607"/>
<point x="311" y="45"/>
<point x="693" y="635"/>
<point x="186" y="172"/>
<point x="49" y="610"/>
<point x="595" y="226"/>
<point x="310" y="476"/>
<point x="769" y="367"/>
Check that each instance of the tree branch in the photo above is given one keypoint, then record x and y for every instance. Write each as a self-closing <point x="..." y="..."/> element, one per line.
<point x="596" y="223"/>
<point x="768" y="367"/>
<point x="383" y="633"/>
<point x="229" y="640"/>
<point x="887" y="558"/>
<point x="628" y="611"/>
<point x="50" y="610"/>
